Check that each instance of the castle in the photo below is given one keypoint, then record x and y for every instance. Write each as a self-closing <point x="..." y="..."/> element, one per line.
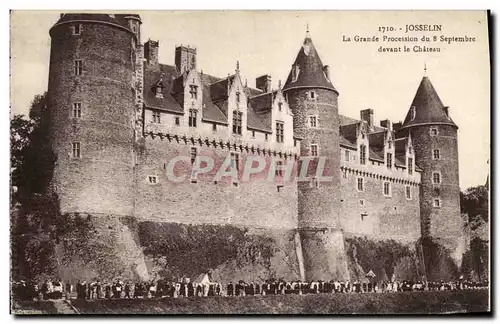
<point x="118" y="117"/>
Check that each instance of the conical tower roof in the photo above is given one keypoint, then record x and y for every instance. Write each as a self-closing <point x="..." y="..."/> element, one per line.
<point x="310" y="69"/>
<point x="427" y="107"/>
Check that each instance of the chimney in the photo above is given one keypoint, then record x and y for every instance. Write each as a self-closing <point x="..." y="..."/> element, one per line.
<point x="151" y="52"/>
<point x="185" y="58"/>
<point x="326" y="69"/>
<point x="263" y="83"/>
<point x="446" y="110"/>
<point x="386" y="124"/>
<point x="397" y="126"/>
<point x="367" y="116"/>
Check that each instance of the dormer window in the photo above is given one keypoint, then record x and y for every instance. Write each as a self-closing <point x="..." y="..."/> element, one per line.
<point x="434" y="131"/>
<point x="193" y="91"/>
<point x="362" y="154"/>
<point x="280" y="106"/>
<point x="295" y="73"/>
<point x="237" y="98"/>
<point x="389" y="145"/>
<point x="312" y="95"/>
<point x="389" y="160"/>
<point x="159" y="91"/>
<point x="413" y="112"/>
<point x="76" y="29"/>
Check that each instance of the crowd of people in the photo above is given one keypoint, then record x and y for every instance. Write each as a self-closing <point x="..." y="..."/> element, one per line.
<point x="28" y="290"/>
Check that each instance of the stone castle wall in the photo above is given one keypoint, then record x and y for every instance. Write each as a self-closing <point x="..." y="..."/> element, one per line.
<point x="257" y="202"/>
<point x="101" y="180"/>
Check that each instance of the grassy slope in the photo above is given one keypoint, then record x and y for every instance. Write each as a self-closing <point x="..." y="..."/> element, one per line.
<point x="389" y="303"/>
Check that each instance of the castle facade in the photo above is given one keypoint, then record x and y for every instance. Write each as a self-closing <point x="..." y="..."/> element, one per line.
<point x="119" y="117"/>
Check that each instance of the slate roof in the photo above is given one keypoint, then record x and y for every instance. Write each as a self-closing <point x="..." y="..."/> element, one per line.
<point x="117" y="19"/>
<point x="310" y="69"/>
<point x="428" y="106"/>
<point x="214" y="98"/>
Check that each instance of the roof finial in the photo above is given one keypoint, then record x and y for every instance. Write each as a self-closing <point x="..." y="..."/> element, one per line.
<point x="307" y="31"/>
<point x="237" y="66"/>
<point x="425" y="69"/>
<point x="246" y="83"/>
<point x="279" y="84"/>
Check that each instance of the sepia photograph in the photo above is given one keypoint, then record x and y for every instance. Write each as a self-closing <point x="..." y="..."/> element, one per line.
<point x="250" y="162"/>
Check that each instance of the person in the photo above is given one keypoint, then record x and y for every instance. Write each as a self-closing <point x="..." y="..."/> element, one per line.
<point x="218" y="289"/>
<point x="152" y="289"/>
<point x="127" y="290"/>
<point x="107" y="291"/>
<point x="98" y="289"/>
<point x="68" y="289"/>
<point x="190" y="289"/>
<point x="58" y="289"/>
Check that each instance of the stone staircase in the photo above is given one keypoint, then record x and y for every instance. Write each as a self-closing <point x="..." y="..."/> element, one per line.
<point x="64" y="307"/>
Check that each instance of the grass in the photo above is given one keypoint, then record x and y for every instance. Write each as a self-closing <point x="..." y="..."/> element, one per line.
<point x="40" y="307"/>
<point x="388" y="303"/>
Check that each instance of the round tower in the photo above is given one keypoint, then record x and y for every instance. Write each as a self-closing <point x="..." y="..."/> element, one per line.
<point x="313" y="100"/>
<point x="91" y="102"/>
<point x="434" y="136"/>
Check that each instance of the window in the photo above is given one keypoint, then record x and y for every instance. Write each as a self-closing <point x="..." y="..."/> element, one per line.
<point x="387" y="189"/>
<point x="156" y="117"/>
<point x="436" y="154"/>
<point x="389" y="160"/>
<point x="280" y="137"/>
<point x="312" y="95"/>
<point x="152" y="179"/>
<point x="436" y="177"/>
<point x="314" y="149"/>
<point x="235" y="161"/>
<point x="214" y="127"/>
<point x="294" y="142"/>
<point x="347" y="155"/>
<point x="362" y="154"/>
<point x="280" y="106"/>
<point x="410" y="166"/>
<point x="434" y="131"/>
<point x="344" y="174"/>
<point x="389" y="145"/>
<point x="408" y="192"/>
<point x="295" y="73"/>
<point x="77" y="110"/>
<point x="361" y="202"/>
<point x="76" y="149"/>
<point x="76" y="29"/>
<point x="193" y="91"/>
<point x="194" y="152"/>
<point x="437" y="203"/>
<point x="192" y="117"/>
<point x="265" y="137"/>
<point x="78" y="67"/>
<point x="177" y="121"/>
<point x="413" y="112"/>
<point x="279" y="170"/>
<point x="253" y="134"/>
<point x="159" y="92"/>
<point x="237" y="98"/>
<point x="237" y="121"/>
<point x="313" y="121"/>
<point x="361" y="184"/>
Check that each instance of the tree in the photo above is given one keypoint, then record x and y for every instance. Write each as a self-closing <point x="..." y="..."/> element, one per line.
<point x="474" y="202"/>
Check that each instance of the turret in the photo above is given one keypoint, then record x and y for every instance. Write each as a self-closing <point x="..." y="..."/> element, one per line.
<point x="92" y="111"/>
<point x="434" y="135"/>
<point x="313" y="100"/>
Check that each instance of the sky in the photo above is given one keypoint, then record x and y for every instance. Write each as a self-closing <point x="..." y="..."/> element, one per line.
<point x="267" y="42"/>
